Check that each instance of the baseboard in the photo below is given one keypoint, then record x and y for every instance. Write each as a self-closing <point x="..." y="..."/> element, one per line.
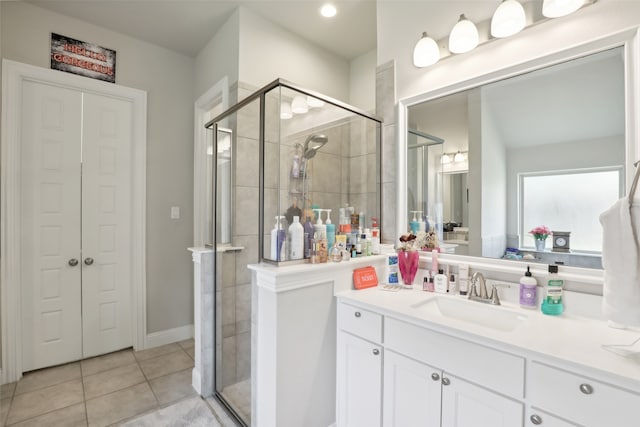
<point x="156" y="339"/>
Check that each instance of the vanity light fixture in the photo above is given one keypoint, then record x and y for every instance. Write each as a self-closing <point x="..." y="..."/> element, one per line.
<point x="558" y="8"/>
<point x="459" y="157"/>
<point x="285" y="110"/>
<point x="299" y="105"/>
<point x="446" y="159"/>
<point x="328" y="10"/>
<point x="464" y="36"/>
<point x="508" y="19"/>
<point x="426" y="52"/>
<point x="314" y="102"/>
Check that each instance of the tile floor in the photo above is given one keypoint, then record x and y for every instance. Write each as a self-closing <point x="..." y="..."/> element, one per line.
<point x="101" y="391"/>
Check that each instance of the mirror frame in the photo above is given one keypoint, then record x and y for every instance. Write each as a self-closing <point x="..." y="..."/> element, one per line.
<point x="578" y="279"/>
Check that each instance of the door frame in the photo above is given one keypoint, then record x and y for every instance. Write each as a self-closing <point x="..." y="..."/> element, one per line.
<point x="13" y="76"/>
<point x="216" y="94"/>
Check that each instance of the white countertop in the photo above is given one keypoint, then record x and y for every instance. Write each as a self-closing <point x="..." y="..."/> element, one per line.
<point x="573" y="339"/>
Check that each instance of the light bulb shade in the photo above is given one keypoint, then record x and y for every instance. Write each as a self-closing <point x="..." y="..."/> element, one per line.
<point x="314" y="102"/>
<point x="463" y="37"/>
<point x="285" y="110"/>
<point x="426" y="52"/>
<point x="446" y="159"/>
<point x="299" y="105"/>
<point x="508" y="19"/>
<point x="558" y="8"/>
<point x="459" y="157"/>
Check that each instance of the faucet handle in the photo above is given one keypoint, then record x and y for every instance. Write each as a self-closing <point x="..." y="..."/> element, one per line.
<point x="495" y="300"/>
<point x="472" y="290"/>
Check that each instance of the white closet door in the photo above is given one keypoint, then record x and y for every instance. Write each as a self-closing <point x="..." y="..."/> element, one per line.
<point x="50" y="231"/>
<point x="106" y="224"/>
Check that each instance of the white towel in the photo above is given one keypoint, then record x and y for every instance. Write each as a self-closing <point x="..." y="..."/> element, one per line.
<point x="621" y="302"/>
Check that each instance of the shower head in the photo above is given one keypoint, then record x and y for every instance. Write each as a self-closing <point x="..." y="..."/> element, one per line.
<point x="312" y="144"/>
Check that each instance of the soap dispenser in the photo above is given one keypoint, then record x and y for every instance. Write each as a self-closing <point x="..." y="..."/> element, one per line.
<point x="528" y="291"/>
<point x="278" y="236"/>
<point x="319" y="228"/>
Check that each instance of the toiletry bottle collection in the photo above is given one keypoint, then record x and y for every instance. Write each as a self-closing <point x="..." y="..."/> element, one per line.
<point x="436" y="281"/>
<point x="321" y="242"/>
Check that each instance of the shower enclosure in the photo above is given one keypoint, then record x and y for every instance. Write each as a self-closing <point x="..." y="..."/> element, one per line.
<point x="290" y="152"/>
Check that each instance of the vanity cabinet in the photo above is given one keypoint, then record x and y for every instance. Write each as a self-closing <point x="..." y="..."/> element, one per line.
<point x="359" y="367"/>
<point x="429" y="378"/>
<point x="580" y="399"/>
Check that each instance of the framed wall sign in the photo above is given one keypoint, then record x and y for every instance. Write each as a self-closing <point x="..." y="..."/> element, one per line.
<point x="86" y="59"/>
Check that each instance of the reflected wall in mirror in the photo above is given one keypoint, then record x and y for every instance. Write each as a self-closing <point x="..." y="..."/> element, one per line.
<point x="543" y="148"/>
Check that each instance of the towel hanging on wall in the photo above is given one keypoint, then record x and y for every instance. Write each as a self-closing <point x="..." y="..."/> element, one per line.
<point x="620" y="252"/>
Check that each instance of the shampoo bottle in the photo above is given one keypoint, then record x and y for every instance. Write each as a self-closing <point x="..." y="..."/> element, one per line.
<point x="552" y="303"/>
<point x="278" y="236"/>
<point x="308" y="236"/>
<point x="296" y="233"/>
<point x="528" y="291"/>
<point x="375" y="237"/>
<point x="331" y="229"/>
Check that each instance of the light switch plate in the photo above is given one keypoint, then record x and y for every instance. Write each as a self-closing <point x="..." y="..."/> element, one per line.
<point x="175" y="212"/>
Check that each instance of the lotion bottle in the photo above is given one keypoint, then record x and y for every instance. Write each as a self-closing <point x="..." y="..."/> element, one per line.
<point x="528" y="291"/>
<point x="440" y="282"/>
<point x="331" y="230"/>
<point x="278" y="236"/>
<point x="296" y="233"/>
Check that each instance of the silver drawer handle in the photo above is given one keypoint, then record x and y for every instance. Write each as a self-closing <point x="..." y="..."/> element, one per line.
<point x="88" y="261"/>
<point x="376" y="352"/>
<point x="435" y="376"/>
<point x="357" y="314"/>
<point x="586" y="388"/>
<point x="73" y="262"/>
<point x="536" y="419"/>
<point x="445" y="381"/>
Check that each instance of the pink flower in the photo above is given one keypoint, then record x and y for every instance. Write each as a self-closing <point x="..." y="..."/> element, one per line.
<point x="541" y="232"/>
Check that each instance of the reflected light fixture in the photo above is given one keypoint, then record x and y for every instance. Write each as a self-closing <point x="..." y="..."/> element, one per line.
<point x="463" y="37"/>
<point x="299" y="105"/>
<point x="446" y="159"/>
<point x="558" y="8"/>
<point x="426" y="52"/>
<point x="459" y="157"/>
<point x="508" y="19"/>
<point x="328" y="10"/>
<point x="314" y="102"/>
<point x="285" y="110"/>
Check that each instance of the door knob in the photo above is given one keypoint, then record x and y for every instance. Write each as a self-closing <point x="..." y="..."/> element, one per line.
<point x="88" y="261"/>
<point x="445" y="381"/>
<point x="73" y="262"/>
<point x="435" y="376"/>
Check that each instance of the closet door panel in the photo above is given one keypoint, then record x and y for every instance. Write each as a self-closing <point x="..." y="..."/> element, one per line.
<point x="50" y="230"/>
<point x="106" y="228"/>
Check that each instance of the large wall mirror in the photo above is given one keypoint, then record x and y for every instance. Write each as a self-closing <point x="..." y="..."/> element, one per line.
<point x="547" y="147"/>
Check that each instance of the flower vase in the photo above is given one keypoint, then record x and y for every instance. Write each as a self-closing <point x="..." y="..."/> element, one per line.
<point x="408" y="263"/>
<point x="540" y="244"/>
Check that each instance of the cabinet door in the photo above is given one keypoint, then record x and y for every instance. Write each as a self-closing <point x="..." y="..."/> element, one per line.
<point x="467" y="405"/>
<point x="359" y="388"/>
<point x="412" y="393"/>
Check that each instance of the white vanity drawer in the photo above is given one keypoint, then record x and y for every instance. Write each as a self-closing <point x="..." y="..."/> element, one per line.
<point x="581" y="400"/>
<point x="363" y="323"/>
<point x="490" y="368"/>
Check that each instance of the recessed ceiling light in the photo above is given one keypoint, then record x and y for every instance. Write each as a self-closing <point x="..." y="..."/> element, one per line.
<point x="328" y="10"/>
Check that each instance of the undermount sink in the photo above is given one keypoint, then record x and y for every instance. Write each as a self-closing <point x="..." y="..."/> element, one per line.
<point x="490" y="316"/>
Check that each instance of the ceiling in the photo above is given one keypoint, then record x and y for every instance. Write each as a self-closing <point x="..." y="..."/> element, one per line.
<point x="186" y="26"/>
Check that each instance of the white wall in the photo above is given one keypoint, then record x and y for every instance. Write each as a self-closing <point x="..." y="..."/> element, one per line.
<point x="220" y="57"/>
<point x="362" y="81"/>
<point x="268" y="52"/>
<point x="168" y="79"/>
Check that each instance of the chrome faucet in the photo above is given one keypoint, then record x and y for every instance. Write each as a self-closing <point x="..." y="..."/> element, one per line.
<point x="481" y="294"/>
